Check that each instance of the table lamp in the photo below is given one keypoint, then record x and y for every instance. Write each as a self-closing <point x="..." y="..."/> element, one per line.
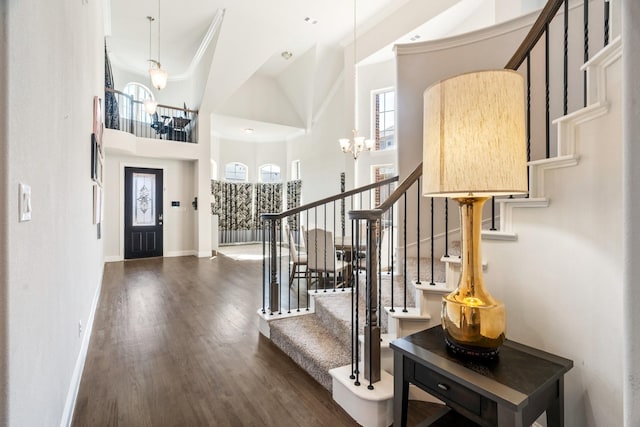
<point x="474" y="148"/>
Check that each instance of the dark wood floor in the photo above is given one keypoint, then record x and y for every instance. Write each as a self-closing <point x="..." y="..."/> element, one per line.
<point x="175" y="343"/>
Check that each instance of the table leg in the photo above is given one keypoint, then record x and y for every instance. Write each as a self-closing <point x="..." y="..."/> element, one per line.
<point x="400" y="391"/>
<point x="508" y="418"/>
<point x="555" y="411"/>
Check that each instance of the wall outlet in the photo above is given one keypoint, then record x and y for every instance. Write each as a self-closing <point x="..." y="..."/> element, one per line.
<point x="79" y="328"/>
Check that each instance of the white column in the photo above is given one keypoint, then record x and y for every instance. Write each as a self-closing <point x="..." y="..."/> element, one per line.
<point x="630" y="11"/>
<point x="202" y="179"/>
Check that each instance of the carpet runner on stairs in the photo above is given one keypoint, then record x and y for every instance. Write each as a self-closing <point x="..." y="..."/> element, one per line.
<point x="306" y="341"/>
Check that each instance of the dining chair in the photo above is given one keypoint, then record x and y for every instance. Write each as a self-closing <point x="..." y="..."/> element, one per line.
<point x="298" y="258"/>
<point x="322" y="260"/>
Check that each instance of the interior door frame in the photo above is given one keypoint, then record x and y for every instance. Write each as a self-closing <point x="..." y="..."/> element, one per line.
<point x="121" y="183"/>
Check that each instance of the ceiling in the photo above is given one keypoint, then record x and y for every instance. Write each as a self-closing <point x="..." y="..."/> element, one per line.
<point x="250" y="37"/>
<point x="184" y="25"/>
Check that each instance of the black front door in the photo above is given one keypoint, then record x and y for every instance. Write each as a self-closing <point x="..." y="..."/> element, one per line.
<point x="142" y="213"/>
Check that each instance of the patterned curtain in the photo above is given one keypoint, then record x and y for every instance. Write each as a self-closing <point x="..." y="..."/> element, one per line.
<point x="111" y="116"/>
<point x="232" y="204"/>
<point x="268" y="199"/>
<point x="294" y="191"/>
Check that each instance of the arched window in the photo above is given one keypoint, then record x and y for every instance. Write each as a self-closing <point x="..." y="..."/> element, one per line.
<point x="269" y="173"/>
<point x="139" y="93"/>
<point x="235" y="172"/>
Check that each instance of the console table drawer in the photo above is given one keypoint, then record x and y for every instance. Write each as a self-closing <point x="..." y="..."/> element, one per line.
<point x="448" y="390"/>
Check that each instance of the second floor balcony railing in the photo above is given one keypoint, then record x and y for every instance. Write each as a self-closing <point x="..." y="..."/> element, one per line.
<point x="167" y="123"/>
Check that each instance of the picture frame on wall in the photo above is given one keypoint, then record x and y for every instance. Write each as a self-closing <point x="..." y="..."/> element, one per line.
<point x="97" y="204"/>
<point x="98" y="126"/>
<point x="95" y="155"/>
<point x="97" y="161"/>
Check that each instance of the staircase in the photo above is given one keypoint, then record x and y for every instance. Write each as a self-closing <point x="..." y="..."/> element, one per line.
<point x="320" y="341"/>
<point x="329" y="327"/>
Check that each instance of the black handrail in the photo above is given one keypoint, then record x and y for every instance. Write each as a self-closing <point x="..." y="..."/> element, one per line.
<point x="336" y="197"/>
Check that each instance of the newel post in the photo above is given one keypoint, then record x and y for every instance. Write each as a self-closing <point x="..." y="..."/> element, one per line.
<point x="372" y="325"/>
<point x="274" y="286"/>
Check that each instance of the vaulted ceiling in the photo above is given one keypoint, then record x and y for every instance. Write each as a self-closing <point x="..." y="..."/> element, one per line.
<point x="246" y="39"/>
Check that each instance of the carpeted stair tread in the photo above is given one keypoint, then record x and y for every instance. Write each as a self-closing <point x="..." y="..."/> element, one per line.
<point x="314" y="350"/>
<point x="334" y="312"/>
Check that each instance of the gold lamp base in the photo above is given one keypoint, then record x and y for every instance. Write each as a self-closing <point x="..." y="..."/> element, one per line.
<point x="474" y="322"/>
<point x="471" y="330"/>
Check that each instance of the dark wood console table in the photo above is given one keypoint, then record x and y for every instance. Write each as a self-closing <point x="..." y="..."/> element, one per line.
<point x="511" y="391"/>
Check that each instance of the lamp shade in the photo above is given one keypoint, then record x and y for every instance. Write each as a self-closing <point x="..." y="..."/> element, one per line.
<point x="474" y="136"/>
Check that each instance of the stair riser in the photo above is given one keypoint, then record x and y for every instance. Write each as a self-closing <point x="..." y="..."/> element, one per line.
<point x="318" y="372"/>
<point x="336" y="327"/>
<point x="403" y="327"/>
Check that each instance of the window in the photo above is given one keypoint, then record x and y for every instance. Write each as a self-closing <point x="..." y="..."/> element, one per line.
<point x="295" y="170"/>
<point x="381" y="173"/>
<point x="269" y="173"/>
<point x="236" y="172"/>
<point x="384" y="119"/>
<point x="139" y="93"/>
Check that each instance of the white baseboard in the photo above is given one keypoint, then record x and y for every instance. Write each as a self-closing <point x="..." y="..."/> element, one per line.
<point x="190" y="252"/>
<point x="72" y="394"/>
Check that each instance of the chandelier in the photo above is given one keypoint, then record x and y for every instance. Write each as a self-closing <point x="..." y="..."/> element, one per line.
<point x="357" y="146"/>
<point x="358" y="143"/>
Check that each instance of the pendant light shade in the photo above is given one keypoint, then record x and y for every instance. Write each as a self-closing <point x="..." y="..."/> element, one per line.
<point x="158" y="77"/>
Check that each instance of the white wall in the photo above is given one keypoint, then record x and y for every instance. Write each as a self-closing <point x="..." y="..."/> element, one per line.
<point x="260" y="98"/>
<point x="4" y="210"/>
<point x="178" y="226"/>
<point x="561" y="282"/>
<point x="55" y="64"/>
<point x="630" y="12"/>
<point x="321" y="160"/>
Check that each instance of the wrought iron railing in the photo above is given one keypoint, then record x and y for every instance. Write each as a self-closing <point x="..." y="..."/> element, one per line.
<point x="286" y="230"/>
<point x="167" y="123"/>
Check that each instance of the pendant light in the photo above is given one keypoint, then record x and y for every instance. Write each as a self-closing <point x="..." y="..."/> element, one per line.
<point x="359" y="143"/>
<point x="157" y="74"/>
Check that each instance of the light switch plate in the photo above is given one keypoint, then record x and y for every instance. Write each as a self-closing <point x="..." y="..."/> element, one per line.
<point x="24" y="202"/>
